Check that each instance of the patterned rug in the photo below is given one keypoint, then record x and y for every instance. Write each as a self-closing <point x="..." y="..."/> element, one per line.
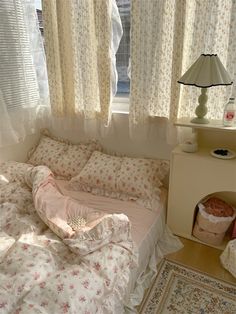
<point x="181" y="290"/>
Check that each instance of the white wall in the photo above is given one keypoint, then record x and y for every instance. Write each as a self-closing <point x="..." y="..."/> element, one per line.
<point x="117" y="137"/>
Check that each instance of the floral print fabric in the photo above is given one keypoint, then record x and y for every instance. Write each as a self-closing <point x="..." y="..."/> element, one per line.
<point x="48" y="152"/>
<point x="42" y="274"/>
<point x="81" y="56"/>
<point x="124" y="178"/>
<point x="64" y="159"/>
<point x="75" y="158"/>
<point x="167" y="37"/>
<point x="99" y="175"/>
<point x="141" y="178"/>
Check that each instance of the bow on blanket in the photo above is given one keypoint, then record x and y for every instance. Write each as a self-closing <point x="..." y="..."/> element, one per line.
<point x="84" y="269"/>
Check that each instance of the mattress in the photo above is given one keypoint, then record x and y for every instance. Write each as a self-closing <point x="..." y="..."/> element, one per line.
<point x="147" y="226"/>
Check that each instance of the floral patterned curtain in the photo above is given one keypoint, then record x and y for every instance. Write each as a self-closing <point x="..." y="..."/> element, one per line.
<point x="80" y="56"/>
<point x="166" y="38"/>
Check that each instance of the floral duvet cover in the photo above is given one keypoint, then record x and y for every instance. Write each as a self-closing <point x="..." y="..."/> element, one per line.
<point x="46" y="264"/>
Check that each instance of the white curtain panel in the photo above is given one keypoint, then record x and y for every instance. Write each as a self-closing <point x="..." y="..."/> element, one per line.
<point x="24" y="95"/>
<point x="81" y="39"/>
<point x="166" y="38"/>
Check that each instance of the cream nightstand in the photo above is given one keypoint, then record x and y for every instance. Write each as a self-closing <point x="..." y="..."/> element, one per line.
<point x="192" y="177"/>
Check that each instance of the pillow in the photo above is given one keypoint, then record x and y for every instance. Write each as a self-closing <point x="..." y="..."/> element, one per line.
<point x="48" y="152"/>
<point x="99" y="175"/>
<point x="140" y="178"/>
<point x="122" y="177"/>
<point x="74" y="159"/>
<point x="63" y="159"/>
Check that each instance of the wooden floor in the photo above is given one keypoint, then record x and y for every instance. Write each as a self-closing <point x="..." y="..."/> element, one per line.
<point x="203" y="258"/>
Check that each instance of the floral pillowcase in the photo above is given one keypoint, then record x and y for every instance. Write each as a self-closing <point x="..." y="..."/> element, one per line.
<point x="99" y="175"/>
<point x="122" y="177"/>
<point x="141" y="178"/>
<point x="64" y="159"/>
<point x="74" y="159"/>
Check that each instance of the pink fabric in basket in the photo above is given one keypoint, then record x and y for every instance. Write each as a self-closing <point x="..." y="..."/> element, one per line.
<point x="217" y="207"/>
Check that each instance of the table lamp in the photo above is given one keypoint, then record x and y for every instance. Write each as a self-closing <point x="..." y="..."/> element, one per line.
<point x="206" y="71"/>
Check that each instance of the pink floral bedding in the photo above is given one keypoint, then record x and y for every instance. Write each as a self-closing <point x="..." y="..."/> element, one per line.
<point x="61" y="269"/>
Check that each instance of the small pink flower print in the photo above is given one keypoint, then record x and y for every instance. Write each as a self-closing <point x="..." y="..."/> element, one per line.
<point x="31" y="305"/>
<point x="13" y="274"/>
<point x="75" y="273"/>
<point x="108" y="282"/>
<point x="36" y="276"/>
<point x="47" y="242"/>
<point x="65" y="307"/>
<point x="3" y="305"/>
<point x="99" y="292"/>
<point x="42" y="285"/>
<point x="18" y="310"/>
<point x="97" y="266"/>
<point x="115" y="270"/>
<point x="110" y="257"/>
<point x="30" y="265"/>
<point x="9" y="261"/>
<point x="60" y="287"/>
<point x="82" y="299"/>
<point x="20" y="288"/>
<point x="25" y="247"/>
<point x="44" y="304"/>
<point x="57" y="276"/>
<point x="71" y="287"/>
<point x="85" y="284"/>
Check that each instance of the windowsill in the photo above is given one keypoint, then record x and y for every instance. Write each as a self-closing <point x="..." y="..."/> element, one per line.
<point x="120" y="105"/>
<point x="213" y="125"/>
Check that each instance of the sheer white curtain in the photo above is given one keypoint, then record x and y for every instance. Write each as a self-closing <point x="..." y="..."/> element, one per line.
<point x="81" y="39"/>
<point x="166" y="38"/>
<point x="24" y="94"/>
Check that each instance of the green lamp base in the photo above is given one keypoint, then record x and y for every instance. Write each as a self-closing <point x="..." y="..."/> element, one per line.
<point x="200" y="120"/>
<point x="201" y="109"/>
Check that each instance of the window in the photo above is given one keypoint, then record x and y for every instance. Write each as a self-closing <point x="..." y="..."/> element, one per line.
<point x="122" y="56"/>
<point x="123" y="53"/>
<point x="38" y="6"/>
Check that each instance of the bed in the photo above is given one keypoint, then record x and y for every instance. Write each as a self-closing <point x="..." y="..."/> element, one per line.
<point x="93" y="270"/>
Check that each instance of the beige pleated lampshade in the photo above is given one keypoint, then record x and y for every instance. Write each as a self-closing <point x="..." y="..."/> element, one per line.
<point x="206" y="71"/>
